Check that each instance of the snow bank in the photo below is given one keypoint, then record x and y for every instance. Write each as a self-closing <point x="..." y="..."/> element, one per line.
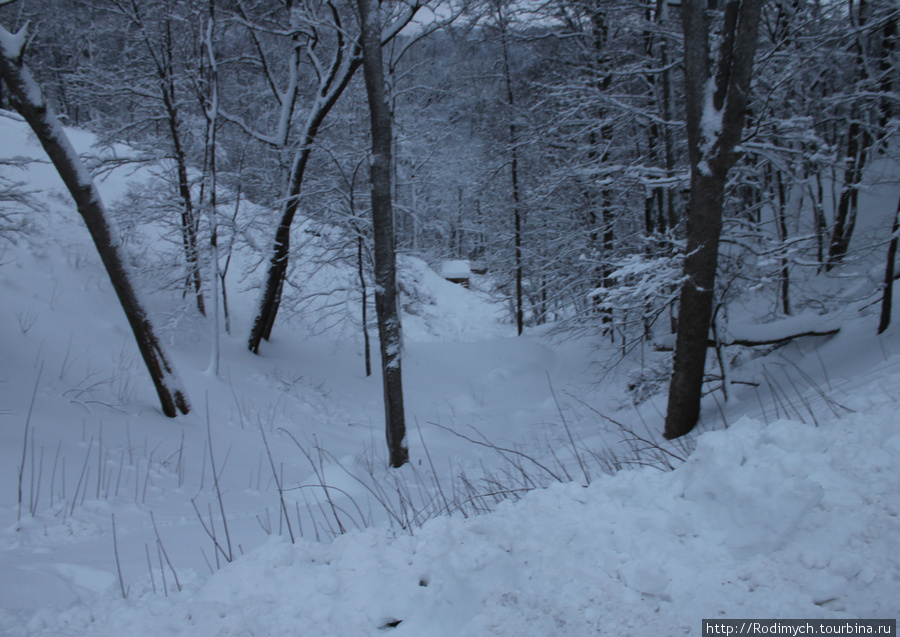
<point x="780" y="520"/>
<point x="783" y="520"/>
<point x="435" y="309"/>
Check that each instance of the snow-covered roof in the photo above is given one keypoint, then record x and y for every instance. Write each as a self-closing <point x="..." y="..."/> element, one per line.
<point x="458" y="269"/>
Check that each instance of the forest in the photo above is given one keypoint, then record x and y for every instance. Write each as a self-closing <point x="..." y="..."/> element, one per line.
<point x="671" y="215"/>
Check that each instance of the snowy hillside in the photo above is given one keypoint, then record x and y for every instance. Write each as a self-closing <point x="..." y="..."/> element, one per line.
<point x="113" y="520"/>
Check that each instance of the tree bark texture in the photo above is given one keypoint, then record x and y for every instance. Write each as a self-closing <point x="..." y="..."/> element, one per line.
<point x="386" y="302"/>
<point x="711" y="143"/>
<point x="28" y="100"/>
<point x="704" y="228"/>
<point x="887" y="300"/>
<point x="858" y="143"/>
<point x="514" y="170"/>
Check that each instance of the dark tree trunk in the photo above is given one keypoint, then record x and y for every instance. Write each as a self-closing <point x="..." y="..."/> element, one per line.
<point x="386" y="302"/>
<point x="845" y="216"/>
<point x="817" y="197"/>
<point x="278" y="263"/>
<point x="888" y="294"/>
<point x="514" y="169"/>
<point x="163" y="60"/>
<point x="886" y="69"/>
<point x="189" y="220"/>
<point x="695" y="311"/>
<point x="667" y="134"/>
<point x="859" y="143"/>
<point x="364" y="305"/>
<point x="28" y="100"/>
<point x="711" y="160"/>
<point x="603" y="247"/>
<point x="780" y="210"/>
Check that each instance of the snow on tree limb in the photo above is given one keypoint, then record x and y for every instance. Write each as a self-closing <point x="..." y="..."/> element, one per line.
<point x="12" y="45"/>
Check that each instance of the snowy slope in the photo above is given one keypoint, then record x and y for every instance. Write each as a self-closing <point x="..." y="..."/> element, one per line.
<point x="772" y="517"/>
<point x="784" y="520"/>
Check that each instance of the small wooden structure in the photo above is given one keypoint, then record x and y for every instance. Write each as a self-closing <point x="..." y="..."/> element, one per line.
<point x="457" y="272"/>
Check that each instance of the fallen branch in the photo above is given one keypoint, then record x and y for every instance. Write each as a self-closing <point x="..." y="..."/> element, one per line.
<point x="777" y="341"/>
<point x="755" y="342"/>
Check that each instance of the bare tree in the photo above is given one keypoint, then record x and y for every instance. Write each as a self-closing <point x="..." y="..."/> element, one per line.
<point x="159" y="74"/>
<point x="873" y="36"/>
<point x="333" y="79"/>
<point x="716" y="103"/>
<point x="386" y="302"/>
<point x="27" y="98"/>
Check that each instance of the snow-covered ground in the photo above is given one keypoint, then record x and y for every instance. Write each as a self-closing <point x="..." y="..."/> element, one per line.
<point x="791" y="511"/>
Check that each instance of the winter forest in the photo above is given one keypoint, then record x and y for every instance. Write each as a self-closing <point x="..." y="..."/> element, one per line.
<point x="447" y="317"/>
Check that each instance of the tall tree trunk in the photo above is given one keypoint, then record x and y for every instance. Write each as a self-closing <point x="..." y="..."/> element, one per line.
<point x="817" y="198"/>
<point x="211" y="111"/>
<point x="888" y="294"/>
<point x="27" y="98"/>
<point x="163" y="60"/>
<point x="162" y="56"/>
<point x="343" y="66"/>
<point x="514" y="168"/>
<point x="360" y="268"/>
<point x="886" y="69"/>
<point x="779" y="209"/>
<point x="859" y="143"/>
<point x="695" y="310"/>
<point x="356" y="224"/>
<point x="665" y="112"/>
<point x="599" y="153"/>
<point x="845" y="216"/>
<point x="386" y="301"/>
<point x="715" y="121"/>
<point x="189" y="221"/>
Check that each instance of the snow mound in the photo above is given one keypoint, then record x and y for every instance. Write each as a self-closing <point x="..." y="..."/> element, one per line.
<point x="435" y="309"/>
<point x="782" y="520"/>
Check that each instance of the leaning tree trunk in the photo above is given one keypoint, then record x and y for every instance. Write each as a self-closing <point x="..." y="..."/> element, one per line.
<point x="386" y="302"/>
<point x="188" y="214"/>
<point x="278" y="263"/>
<point x="715" y="121"/>
<point x="27" y="98"/>
<point x="331" y="86"/>
<point x="163" y="61"/>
